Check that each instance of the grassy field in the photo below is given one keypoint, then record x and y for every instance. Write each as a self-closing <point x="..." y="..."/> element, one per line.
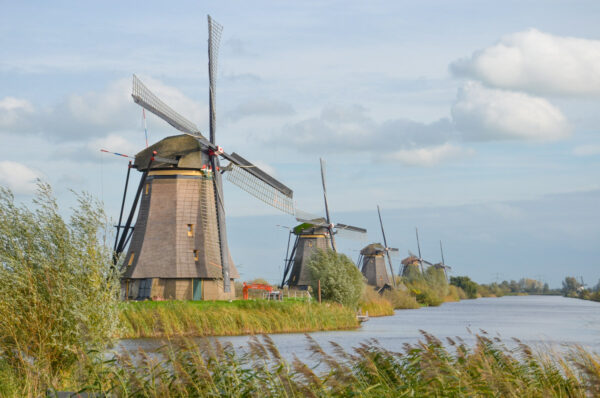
<point x="221" y="318"/>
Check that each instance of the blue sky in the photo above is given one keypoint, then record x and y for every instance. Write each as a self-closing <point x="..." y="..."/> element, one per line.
<point x="475" y="122"/>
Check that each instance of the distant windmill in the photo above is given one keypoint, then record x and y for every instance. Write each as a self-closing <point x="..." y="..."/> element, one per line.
<point x="314" y="233"/>
<point x="411" y="262"/>
<point x="443" y="265"/>
<point x="373" y="263"/>
<point x="179" y="244"/>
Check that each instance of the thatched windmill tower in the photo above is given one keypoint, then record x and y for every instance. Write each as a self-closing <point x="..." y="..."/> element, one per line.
<point x="373" y="262"/>
<point x="413" y="265"/>
<point x="179" y="244"/>
<point x="410" y="266"/>
<point x="314" y="233"/>
<point x="373" y="265"/>
<point x="309" y="238"/>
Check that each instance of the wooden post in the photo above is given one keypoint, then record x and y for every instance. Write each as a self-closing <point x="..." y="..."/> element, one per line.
<point x="319" y="290"/>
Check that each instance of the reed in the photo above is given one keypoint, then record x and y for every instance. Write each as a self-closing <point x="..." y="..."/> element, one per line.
<point x="401" y="299"/>
<point x="375" y="304"/>
<point x="428" y="368"/>
<point x="221" y="318"/>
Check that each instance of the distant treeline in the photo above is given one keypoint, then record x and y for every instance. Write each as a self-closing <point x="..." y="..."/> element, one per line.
<point x="571" y="287"/>
<point x="505" y="288"/>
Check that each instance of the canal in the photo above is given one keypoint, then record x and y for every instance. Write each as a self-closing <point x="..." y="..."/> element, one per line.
<point x="540" y="321"/>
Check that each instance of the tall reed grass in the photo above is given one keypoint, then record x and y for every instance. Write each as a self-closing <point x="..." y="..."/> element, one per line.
<point x="374" y="304"/>
<point x="220" y="318"/>
<point x="428" y="368"/>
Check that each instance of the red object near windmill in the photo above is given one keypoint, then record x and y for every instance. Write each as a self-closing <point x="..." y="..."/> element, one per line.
<point x="257" y="286"/>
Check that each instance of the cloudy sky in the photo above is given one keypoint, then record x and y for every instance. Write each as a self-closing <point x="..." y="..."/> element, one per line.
<point x="477" y="123"/>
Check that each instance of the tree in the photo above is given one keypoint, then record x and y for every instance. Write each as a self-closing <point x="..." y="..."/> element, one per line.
<point x="341" y="281"/>
<point x="571" y="287"/>
<point x="466" y="284"/>
<point x="546" y="289"/>
<point x="58" y="290"/>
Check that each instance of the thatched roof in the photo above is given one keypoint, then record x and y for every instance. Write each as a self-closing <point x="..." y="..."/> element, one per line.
<point x="308" y="228"/>
<point x="410" y="260"/>
<point x="373" y="249"/>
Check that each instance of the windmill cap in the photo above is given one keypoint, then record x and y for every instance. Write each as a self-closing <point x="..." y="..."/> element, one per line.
<point x="183" y="148"/>
<point x="372" y="249"/>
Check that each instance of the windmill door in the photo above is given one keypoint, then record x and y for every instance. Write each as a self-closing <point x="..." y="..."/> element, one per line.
<point x="197" y="290"/>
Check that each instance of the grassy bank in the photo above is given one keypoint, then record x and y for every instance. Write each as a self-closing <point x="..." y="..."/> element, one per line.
<point x="426" y="369"/>
<point x="221" y="318"/>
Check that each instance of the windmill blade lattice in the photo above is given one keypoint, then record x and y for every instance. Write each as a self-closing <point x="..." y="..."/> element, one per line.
<point x="243" y="173"/>
<point x="351" y="232"/>
<point x="260" y="189"/>
<point x="214" y="39"/>
<point x="393" y="252"/>
<point x="147" y="100"/>
<point x="310" y="218"/>
<point x="215" y="31"/>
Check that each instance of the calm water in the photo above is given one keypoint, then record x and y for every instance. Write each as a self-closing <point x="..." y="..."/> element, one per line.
<point x="535" y="320"/>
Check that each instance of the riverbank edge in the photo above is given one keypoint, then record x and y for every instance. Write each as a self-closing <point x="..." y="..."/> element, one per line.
<point x="150" y="319"/>
<point x="167" y="319"/>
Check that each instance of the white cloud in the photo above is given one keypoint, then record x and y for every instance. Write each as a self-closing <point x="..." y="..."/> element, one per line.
<point x="83" y="116"/>
<point x="429" y="156"/>
<point x="350" y="128"/>
<point x="537" y="62"/>
<point x="260" y="107"/>
<point x="484" y="114"/>
<point x="14" y="111"/>
<point x="587" y="150"/>
<point x="18" y="177"/>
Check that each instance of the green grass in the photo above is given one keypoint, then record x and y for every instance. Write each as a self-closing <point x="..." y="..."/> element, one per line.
<point x="221" y="318"/>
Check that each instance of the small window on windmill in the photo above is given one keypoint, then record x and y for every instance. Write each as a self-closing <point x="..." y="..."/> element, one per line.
<point x="131" y="259"/>
<point x="310" y="244"/>
<point x="195" y="255"/>
<point x="190" y="229"/>
<point x="147" y="188"/>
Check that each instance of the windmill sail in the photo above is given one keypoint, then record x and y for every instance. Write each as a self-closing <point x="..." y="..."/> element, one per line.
<point x="214" y="38"/>
<point x="147" y="100"/>
<point x="259" y="184"/>
<point x="242" y="173"/>
<point x="329" y="224"/>
<point x="387" y="250"/>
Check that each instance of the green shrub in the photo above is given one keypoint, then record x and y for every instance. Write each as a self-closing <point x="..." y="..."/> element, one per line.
<point x="340" y="280"/>
<point x="401" y="299"/>
<point x="455" y="294"/>
<point x="58" y="293"/>
<point x="374" y="303"/>
<point x="429" y="297"/>
<point x="466" y="284"/>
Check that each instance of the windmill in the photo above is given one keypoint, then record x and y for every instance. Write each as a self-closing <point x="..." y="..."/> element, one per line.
<point x="413" y="263"/>
<point x="443" y="265"/>
<point x="179" y="244"/>
<point x="313" y="233"/>
<point x="373" y="263"/>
